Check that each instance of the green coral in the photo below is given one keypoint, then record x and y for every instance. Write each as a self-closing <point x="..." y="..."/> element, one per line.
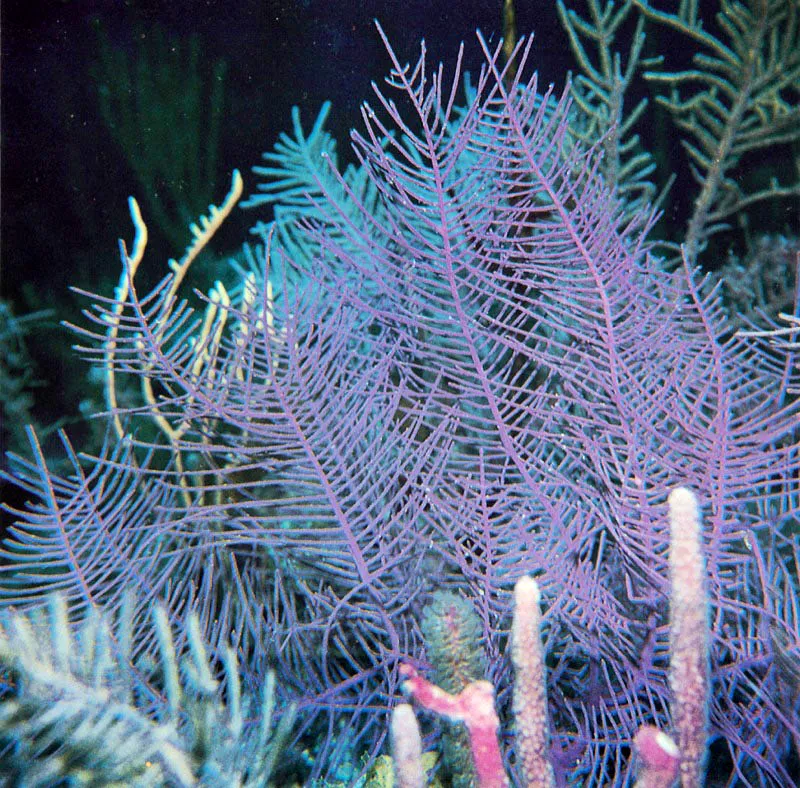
<point x="740" y="96"/>
<point x="737" y="97"/>
<point x="600" y="93"/>
<point x="452" y="632"/>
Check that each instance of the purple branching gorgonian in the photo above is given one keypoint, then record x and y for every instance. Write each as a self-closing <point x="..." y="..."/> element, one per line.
<point x="456" y="363"/>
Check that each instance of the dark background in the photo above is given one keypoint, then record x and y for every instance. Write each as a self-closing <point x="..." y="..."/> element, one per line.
<point x="66" y="180"/>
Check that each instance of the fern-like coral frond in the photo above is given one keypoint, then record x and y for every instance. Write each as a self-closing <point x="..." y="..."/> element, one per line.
<point x="740" y="96"/>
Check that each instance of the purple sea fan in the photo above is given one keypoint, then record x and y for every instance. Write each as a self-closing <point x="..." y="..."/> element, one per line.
<point x="457" y="363"/>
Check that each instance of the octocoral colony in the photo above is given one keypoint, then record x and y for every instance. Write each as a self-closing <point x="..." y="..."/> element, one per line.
<point x="458" y="363"/>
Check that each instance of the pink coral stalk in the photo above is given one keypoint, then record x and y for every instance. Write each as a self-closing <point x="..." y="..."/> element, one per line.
<point x="688" y="675"/>
<point x="530" y="691"/>
<point x="659" y="758"/>
<point x="474" y="706"/>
